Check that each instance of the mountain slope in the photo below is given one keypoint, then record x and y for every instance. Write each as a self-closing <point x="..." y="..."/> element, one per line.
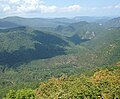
<point x="6" y="24"/>
<point x="24" y="44"/>
<point x="106" y="46"/>
<point x="115" y="22"/>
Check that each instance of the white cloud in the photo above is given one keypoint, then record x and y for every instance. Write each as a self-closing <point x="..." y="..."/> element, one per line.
<point x="14" y="1"/>
<point x="6" y="9"/>
<point x="117" y="6"/>
<point x="52" y="9"/>
<point x="19" y="6"/>
<point x="26" y="6"/>
<point x="47" y="9"/>
<point x="71" y="8"/>
<point x="94" y="8"/>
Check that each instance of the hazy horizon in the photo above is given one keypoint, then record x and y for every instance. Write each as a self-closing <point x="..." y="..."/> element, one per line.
<point x="60" y="17"/>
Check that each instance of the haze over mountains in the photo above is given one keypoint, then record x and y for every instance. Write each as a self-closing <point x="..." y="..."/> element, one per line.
<point x="34" y="49"/>
<point x="50" y="22"/>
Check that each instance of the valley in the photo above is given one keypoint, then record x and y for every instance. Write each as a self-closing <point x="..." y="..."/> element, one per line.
<point x="32" y="50"/>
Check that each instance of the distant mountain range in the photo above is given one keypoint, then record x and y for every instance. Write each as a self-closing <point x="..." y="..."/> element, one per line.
<point x="44" y="22"/>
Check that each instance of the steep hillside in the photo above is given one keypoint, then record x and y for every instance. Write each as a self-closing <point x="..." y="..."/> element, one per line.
<point x="24" y="44"/>
<point x="70" y="29"/>
<point x="106" y="46"/>
<point x="5" y="24"/>
<point x="115" y="22"/>
<point x="84" y="29"/>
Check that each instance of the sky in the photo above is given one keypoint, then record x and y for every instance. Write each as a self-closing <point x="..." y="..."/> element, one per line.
<point x="59" y="8"/>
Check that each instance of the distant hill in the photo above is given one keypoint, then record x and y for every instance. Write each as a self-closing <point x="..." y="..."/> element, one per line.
<point x="84" y="29"/>
<point x="50" y="22"/>
<point x="37" y="22"/>
<point x="115" y="22"/>
<point x="71" y="28"/>
<point x="92" y="19"/>
<point x="6" y="24"/>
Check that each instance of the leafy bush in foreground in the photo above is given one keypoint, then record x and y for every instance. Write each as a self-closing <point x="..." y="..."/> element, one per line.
<point x="103" y="84"/>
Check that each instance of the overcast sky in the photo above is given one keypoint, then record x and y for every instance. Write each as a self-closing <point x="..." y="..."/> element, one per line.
<point x="59" y="8"/>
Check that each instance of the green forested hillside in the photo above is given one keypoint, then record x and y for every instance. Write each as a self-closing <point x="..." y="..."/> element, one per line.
<point x="23" y="44"/>
<point x="29" y="56"/>
<point x="106" y="46"/>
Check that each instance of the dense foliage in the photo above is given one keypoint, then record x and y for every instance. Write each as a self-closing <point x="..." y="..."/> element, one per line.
<point x="21" y="94"/>
<point x="103" y="84"/>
